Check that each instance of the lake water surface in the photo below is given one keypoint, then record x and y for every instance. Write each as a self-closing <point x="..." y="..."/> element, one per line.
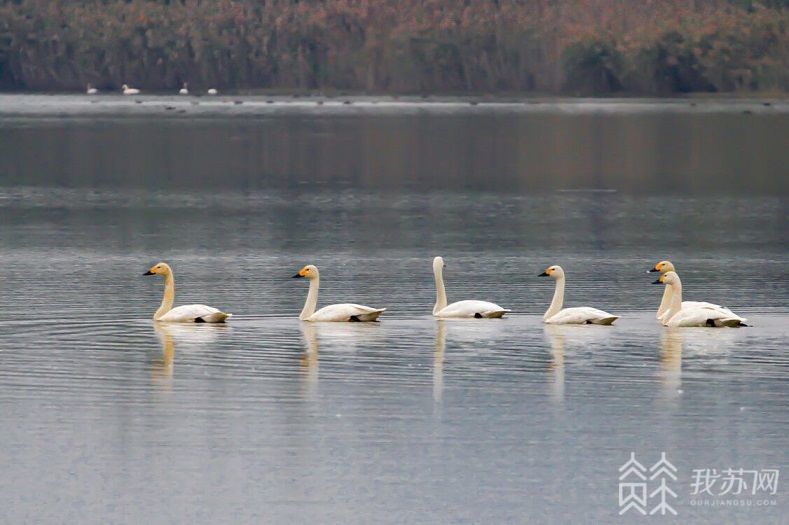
<point x="110" y="418"/>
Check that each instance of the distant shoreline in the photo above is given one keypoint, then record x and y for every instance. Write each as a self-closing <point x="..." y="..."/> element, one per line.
<point x="481" y="97"/>
<point x="250" y="106"/>
<point x="561" y="47"/>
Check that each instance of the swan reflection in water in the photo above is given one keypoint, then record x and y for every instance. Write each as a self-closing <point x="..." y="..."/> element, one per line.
<point x="671" y="361"/>
<point x="438" y="361"/>
<point x="162" y="366"/>
<point x="707" y="349"/>
<point x="471" y="340"/>
<point x="556" y="335"/>
<point x="582" y="340"/>
<point x="309" y="359"/>
<point x="335" y="337"/>
<point x="186" y="335"/>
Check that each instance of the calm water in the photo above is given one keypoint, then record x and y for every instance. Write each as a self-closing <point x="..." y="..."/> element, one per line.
<point x="108" y="418"/>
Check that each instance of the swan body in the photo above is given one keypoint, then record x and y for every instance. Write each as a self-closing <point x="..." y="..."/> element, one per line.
<point x="184" y="90"/>
<point x="194" y="313"/>
<point x="190" y="313"/>
<point x="697" y="304"/>
<point x="581" y="315"/>
<point x="346" y="312"/>
<point x="664" y="267"/>
<point x="578" y="315"/>
<point x="472" y="308"/>
<point x="703" y="316"/>
<point x="129" y="91"/>
<point x="681" y="315"/>
<point x="460" y="309"/>
<point x="212" y="91"/>
<point x="90" y="90"/>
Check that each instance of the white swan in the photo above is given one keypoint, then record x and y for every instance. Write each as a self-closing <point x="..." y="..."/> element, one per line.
<point x="212" y="91"/>
<point x="460" y="309"/>
<point x="664" y="267"/>
<point x="577" y="315"/>
<point x="335" y="312"/>
<point x="189" y="313"/>
<point x="184" y="90"/>
<point x="680" y="315"/>
<point x="90" y="90"/>
<point x="129" y="91"/>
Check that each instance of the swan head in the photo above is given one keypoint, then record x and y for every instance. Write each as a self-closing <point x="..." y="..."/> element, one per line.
<point x="554" y="272"/>
<point x="125" y="87"/>
<point x="438" y="264"/>
<point x="160" y="268"/>
<point x="668" y="278"/>
<point x="662" y="267"/>
<point x="309" y="272"/>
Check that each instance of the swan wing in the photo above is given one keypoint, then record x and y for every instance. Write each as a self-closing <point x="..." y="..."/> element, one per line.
<point x="710" y="316"/>
<point x="471" y="308"/>
<point x="696" y="304"/>
<point x="702" y="304"/>
<point x="664" y="317"/>
<point x="194" y="313"/>
<point x="582" y="315"/>
<point x="347" y="312"/>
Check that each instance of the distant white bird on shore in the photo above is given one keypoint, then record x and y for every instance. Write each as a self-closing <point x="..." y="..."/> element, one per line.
<point x="212" y="91"/>
<point x="91" y="90"/>
<point x="184" y="90"/>
<point x="129" y="91"/>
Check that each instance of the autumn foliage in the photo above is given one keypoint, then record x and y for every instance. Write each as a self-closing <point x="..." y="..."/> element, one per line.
<point x="403" y="46"/>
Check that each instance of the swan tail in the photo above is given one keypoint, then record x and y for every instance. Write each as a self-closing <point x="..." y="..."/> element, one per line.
<point x="731" y="323"/>
<point x="368" y="317"/>
<point x="494" y="314"/>
<point x="216" y="317"/>
<point x="604" y="320"/>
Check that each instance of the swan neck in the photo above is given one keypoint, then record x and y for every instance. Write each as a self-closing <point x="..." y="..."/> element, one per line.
<point x="675" y="305"/>
<point x="169" y="297"/>
<point x="558" y="300"/>
<point x="441" y="294"/>
<point x="312" y="300"/>
<point x="665" y="302"/>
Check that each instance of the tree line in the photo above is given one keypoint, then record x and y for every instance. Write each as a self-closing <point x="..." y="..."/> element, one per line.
<point x="598" y="47"/>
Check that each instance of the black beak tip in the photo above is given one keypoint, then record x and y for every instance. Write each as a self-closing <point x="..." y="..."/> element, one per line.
<point x="149" y="272"/>
<point x="543" y="274"/>
<point x="297" y="276"/>
<point x="657" y="282"/>
<point x="652" y="270"/>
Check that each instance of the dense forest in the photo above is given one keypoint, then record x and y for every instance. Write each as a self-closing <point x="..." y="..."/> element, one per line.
<point x="655" y="47"/>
